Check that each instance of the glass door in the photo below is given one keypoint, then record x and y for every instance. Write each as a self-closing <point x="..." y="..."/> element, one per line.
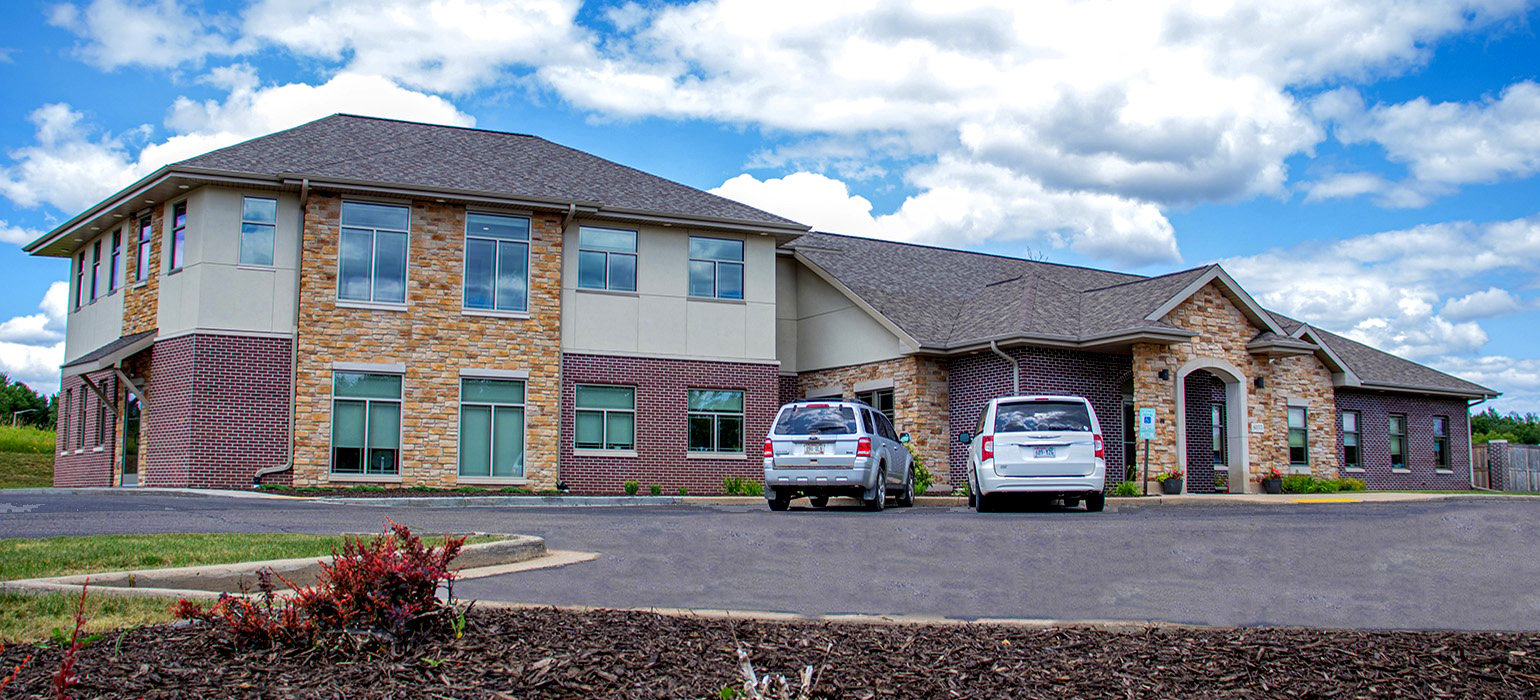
<point x="131" y="441"/>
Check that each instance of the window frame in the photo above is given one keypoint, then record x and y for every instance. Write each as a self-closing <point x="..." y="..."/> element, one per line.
<point x="465" y="260"/>
<point x="399" y="401"/>
<point x="80" y="279"/>
<point x="96" y="270"/>
<point x="1440" y="431"/>
<point x="870" y="396"/>
<point x="115" y="267"/>
<point x="1358" y="439"/>
<point x="272" y="252"/>
<point x="144" y="248"/>
<point x="1304" y="431"/>
<point x="1218" y="435"/>
<point x="604" y="421"/>
<point x="178" y="235"/>
<point x="492" y="406"/>
<point x="1395" y="437"/>
<point x="716" y="269"/>
<point x="101" y="424"/>
<point x="691" y="414"/>
<point x="634" y="254"/>
<point x="64" y="419"/>
<point x="374" y="241"/>
<point x="80" y="419"/>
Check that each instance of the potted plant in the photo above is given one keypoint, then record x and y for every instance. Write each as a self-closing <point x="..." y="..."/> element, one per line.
<point x="1170" y="481"/>
<point x="1272" y="481"/>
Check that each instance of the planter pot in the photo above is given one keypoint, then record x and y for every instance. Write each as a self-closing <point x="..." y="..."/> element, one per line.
<point x="1171" y="487"/>
<point x="1273" y="485"/>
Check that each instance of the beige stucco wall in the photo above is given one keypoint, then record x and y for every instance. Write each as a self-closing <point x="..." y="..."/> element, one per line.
<point x="660" y="319"/>
<point x="830" y="330"/>
<point x="95" y="323"/>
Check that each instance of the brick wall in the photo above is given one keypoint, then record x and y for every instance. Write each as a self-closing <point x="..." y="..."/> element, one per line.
<point x="920" y="401"/>
<point x="662" y="401"/>
<point x="976" y="378"/>
<point x="433" y="338"/>
<point x="788" y="388"/>
<point x="1202" y="391"/>
<point x="81" y="460"/>
<point x="1374" y="440"/>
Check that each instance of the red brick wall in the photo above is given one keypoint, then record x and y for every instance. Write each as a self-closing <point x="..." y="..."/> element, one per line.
<point x="661" y="404"/>
<point x="93" y="463"/>
<point x="1202" y="390"/>
<point x="1374" y="440"/>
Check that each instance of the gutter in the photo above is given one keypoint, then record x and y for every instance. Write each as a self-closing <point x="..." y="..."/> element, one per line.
<point x="1015" y="369"/>
<point x="299" y="249"/>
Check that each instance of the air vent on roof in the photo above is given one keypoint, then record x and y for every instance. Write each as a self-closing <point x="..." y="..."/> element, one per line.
<point x="1004" y="281"/>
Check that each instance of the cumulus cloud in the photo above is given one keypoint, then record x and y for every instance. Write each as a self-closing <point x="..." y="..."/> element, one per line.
<point x="32" y="346"/>
<point x="1488" y="303"/>
<point x="17" y="234"/>
<point x="1517" y="378"/>
<point x="155" y="34"/>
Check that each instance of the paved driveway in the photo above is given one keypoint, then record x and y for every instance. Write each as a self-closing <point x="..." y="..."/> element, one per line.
<point x="1464" y="564"/>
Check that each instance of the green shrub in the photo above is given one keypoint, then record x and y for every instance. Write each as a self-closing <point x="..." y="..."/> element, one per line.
<point x="632" y="486"/>
<point x="922" y="475"/>
<point x="1323" y="486"/>
<point x="1297" y="483"/>
<point x="684" y="491"/>
<point x="655" y="490"/>
<point x="739" y="486"/>
<point x="1349" y="483"/>
<point x="1126" y="488"/>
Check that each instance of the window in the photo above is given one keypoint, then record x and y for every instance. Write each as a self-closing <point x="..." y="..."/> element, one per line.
<point x="1299" y="436"/>
<point x="371" y="259"/>
<point x="716" y="268"/>
<point x="716" y="420"/>
<point x="1397" y="441"/>
<point x="880" y="399"/>
<point x="101" y="423"/>
<point x="1352" y="458"/>
<point x="607" y="259"/>
<point x="142" y="257"/>
<point x="1217" y="436"/>
<point x="115" y="270"/>
<point x="606" y="418"/>
<point x="178" y="235"/>
<point x="80" y="420"/>
<point x="491" y="428"/>
<point x="80" y="280"/>
<point x="259" y="222"/>
<point x="496" y="262"/>
<point x="96" y="269"/>
<point x="1440" y="442"/>
<point x="64" y="419"/>
<point x="366" y="423"/>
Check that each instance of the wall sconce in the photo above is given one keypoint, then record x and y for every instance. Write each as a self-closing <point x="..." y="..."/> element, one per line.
<point x="1165" y="375"/>
<point x="1258" y="383"/>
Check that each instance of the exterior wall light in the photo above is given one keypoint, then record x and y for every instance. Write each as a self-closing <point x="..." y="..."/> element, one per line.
<point x="1258" y="383"/>
<point x="1165" y="375"/>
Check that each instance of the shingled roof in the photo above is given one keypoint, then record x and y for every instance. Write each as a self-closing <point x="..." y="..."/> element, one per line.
<point x="427" y="156"/>
<point x="948" y="300"/>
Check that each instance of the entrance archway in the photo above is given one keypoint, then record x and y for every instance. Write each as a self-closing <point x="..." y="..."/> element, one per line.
<point x="1234" y="445"/>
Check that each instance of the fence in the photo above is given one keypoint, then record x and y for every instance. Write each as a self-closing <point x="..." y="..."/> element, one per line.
<point x="1501" y="466"/>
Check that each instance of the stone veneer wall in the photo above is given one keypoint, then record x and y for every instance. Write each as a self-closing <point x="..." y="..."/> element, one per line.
<point x="82" y="460"/>
<point x="141" y="300"/>
<point x="1374" y="409"/>
<point x="662" y="402"/>
<point x="434" y="338"/>
<point x="1099" y="377"/>
<point x="1223" y="332"/>
<point x="920" y="401"/>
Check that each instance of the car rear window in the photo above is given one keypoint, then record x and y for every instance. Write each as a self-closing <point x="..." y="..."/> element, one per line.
<point x="816" y="419"/>
<point x="1042" y="415"/>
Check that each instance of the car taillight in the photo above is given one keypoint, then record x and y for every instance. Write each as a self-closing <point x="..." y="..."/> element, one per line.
<point x="987" y="448"/>
<point x="1101" y="450"/>
<point x="769" y="448"/>
<point x="864" y="447"/>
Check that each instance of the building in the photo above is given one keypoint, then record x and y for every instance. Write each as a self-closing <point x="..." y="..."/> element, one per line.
<point x="361" y="300"/>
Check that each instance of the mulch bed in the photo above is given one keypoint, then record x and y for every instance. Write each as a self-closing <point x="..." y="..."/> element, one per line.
<point x="547" y="653"/>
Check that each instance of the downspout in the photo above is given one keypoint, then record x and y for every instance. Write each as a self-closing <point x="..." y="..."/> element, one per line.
<point x="1015" y="368"/>
<point x="299" y="248"/>
<point x="1470" y="448"/>
<point x="566" y="220"/>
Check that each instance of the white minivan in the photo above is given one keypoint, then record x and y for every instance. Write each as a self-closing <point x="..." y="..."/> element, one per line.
<point x="1049" y="445"/>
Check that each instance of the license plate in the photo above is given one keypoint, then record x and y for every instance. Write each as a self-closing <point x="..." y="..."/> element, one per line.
<point x="812" y="448"/>
<point x="1042" y="453"/>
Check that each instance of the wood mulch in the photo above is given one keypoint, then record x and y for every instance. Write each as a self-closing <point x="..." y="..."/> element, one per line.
<point x="548" y="653"/>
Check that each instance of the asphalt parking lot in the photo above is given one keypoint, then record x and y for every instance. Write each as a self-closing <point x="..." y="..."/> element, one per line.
<point x="1456" y="564"/>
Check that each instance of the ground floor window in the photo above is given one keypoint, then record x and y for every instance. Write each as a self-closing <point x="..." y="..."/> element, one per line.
<point x="366" y="424"/>
<point x="1441" y="442"/>
<point x="606" y="418"/>
<point x="716" y="420"/>
<point x="1299" y="436"/>
<point x="880" y="399"/>
<point x="1352" y="458"/>
<point x="1397" y="430"/>
<point x="491" y="428"/>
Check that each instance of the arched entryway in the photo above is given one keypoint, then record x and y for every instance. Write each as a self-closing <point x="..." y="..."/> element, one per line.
<point x="1211" y="426"/>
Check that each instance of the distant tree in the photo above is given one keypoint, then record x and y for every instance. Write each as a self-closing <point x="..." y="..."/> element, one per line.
<point x="15" y="396"/>
<point x="1490" y="425"/>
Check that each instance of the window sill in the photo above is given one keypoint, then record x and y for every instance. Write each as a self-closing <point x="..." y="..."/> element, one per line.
<point x="603" y="453"/>
<point x="492" y="313"/>
<point x="369" y="478"/>
<point x="1393" y="470"/>
<point x="174" y="270"/>
<point x="141" y="284"/>
<point x="370" y="305"/>
<point x="717" y="300"/>
<point x="608" y="292"/>
<point x="492" y="480"/>
<point x="256" y="267"/>
<point x="1443" y="470"/>
<point x="1355" y="470"/>
<point x="715" y="455"/>
<point x="98" y="449"/>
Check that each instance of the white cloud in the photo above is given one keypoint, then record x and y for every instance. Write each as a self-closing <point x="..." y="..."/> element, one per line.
<point x="1517" y="378"/>
<point x="71" y="166"/>
<point x="150" y="33"/>
<point x="43" y="328"/>
<point x="824" y="203"/>
<point x="1488" y="303"/>
<point x="17" y="234"/>
<point x="32" y="346"/>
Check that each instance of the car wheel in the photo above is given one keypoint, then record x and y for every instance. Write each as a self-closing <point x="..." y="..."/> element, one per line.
<point x="906" y="497"/>
<point x="981" y="503"/>
<point x="876" y="504"/>
<point x="779" y="504"/>
<point x="1095" y="502"/>
<point x="819" y="501"/>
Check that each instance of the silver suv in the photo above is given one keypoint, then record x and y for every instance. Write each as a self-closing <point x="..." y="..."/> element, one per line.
<point x="1037" y="444"/>
<point x="830" y="447"/>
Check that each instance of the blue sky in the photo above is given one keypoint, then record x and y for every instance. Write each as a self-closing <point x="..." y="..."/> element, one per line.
<point x="1370" y="167"/>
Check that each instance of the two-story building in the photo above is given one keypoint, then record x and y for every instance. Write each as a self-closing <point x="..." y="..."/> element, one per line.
<point x="362" y="300"/>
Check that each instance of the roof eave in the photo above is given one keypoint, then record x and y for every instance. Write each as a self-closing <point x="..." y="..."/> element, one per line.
<point x="1248" y="306"/>
<point x="1162" y="337"/>
<point x="1485" y="393"/>
<point x="142" y="184"/>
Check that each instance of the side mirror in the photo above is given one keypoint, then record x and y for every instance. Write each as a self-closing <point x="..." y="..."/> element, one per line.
<point x="903" y="438"/>
<point x="965" y="437"/>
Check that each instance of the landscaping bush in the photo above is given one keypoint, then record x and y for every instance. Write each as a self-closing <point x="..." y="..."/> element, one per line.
<point x="1305" y="483"/>
<point x="1126" y="488"/>
<point x="1297" y="483"/>
<point x="1323" y="486"/>
<point x="655" y="490"/>
<point x="922" y="475"/>
<point x="1348" y="483"/>
<point x="739" y="486"/>
<point x="632" y="486"/>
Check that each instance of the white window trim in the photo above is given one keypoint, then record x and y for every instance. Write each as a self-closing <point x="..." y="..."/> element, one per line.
<point x="331" y="455"/>
<point x="605" y="451"/>
<point x="524" y="440"/>
<point x="406" y="265"/>
<point x="529" y="265"/>
<point x="274" y="252"/>
<point x="636" y="253"/>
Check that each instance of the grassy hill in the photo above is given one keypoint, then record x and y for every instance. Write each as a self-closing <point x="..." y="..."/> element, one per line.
<point x="26" y="457"/>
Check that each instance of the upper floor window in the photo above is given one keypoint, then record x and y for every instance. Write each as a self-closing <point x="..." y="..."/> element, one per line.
<point x="142" y="255"/>
<point x="366" y="423"/>
<point x="178" y="235"/>
<point x="1441" y="442"/>
<point x="1397" y="429"/>
<point x="1299" y="436"/>
<point x="259" y="221"/>
<point x="607" y="259"/>
<point x="1352" y="457"/>
<point x="716" y="268"/>
<point x="496" y="262"/>
<point x="371" y="260"/>
<point x="80" y="280"/>
<point x="96" y="269"/>
<point x="115" y="269"/>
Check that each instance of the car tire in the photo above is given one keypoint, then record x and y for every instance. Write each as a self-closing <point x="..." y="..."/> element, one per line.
<point x="1095" y="502"/>
<point x="779" y="504"/>
<point x="906" y="497"/>
<point x="819" y="501"/>
<point x="875" y="504"/>
<point x="981" y="503"/>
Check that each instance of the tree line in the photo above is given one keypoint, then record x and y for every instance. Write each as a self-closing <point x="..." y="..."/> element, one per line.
<point x="19" y="403"/>
<point x="1519" y="429"/>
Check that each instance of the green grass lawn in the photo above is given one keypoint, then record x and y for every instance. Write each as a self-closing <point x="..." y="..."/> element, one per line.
<point x="26" y="440"/>
<point x="26" y="457"/>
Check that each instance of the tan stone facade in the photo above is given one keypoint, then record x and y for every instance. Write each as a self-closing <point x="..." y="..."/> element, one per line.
<point x="141" y="300"/>
<point x="920" y="401"/>
<point x="1223" y="332"/>
<point x="433" y="338"/>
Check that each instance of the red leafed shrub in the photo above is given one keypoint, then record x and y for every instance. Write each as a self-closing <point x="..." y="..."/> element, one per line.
<point x="386" y="587"/>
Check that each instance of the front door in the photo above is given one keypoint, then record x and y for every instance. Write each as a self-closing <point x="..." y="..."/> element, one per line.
<point x="131" y="441"/>
<point x="1221" y="441"/>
